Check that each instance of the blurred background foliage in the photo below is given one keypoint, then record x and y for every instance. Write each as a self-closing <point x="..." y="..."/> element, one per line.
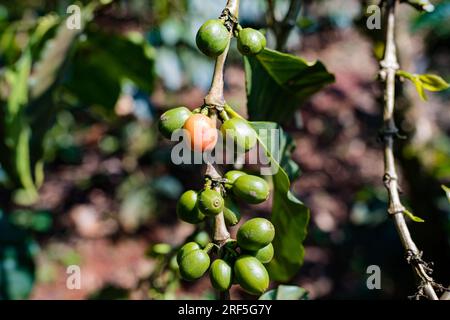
<point x="99" y="189"/>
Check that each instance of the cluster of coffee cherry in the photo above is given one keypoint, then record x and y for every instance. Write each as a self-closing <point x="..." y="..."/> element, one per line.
<point x="239" y="260"/>
<point x="213" y="38"/>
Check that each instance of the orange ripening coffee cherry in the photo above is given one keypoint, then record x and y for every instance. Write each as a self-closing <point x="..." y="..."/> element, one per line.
<point x="202" y="132"/>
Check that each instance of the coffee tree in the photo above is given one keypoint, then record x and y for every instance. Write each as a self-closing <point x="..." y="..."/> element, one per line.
<point x="262" y="247"/>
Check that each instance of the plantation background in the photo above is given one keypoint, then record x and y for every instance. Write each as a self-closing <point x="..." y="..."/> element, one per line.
<point x="110" y="189"/>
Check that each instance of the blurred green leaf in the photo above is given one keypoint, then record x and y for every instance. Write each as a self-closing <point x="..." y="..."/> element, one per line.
<point x="277" y="83"/>
<point x="40" y="221"/>
<point x="289" y="215"/>
<point x="424" y="82"/>
<point x="432" y="82"/>
<point x="168" y="186"/>
<point x="110" y="292"/>
<point x="436" y="22"/>
<point x="17" y="267"/>
<point x="283" y="292"/>
<point x="137" y="208"/>
<point x="102" y="64"/>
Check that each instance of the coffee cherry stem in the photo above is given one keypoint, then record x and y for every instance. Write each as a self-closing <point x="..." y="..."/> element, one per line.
<point x="215" y="95"/>
<point x="231" y="113"/>
<point x="204" y="111"/>
<point x="210" y="246"/>
<point x="221" y="234"/>
<point x="223" y="115"/>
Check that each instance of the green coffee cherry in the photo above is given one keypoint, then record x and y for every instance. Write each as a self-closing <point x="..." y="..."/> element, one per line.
<point x="265" y="254"/>
<point x="221" y="275"/>
<point x="250" y="42"/>
<point x="231" y="212"/>
<point x="241" y="132"/>
<point x="194" y="264"/>
<point x="210" y="202"/>
<point x="231" y="176"/>
<point x="251" y="189"/>
<point x="255" y="234"/>
<point x="212" y="38"/>
<point x="251" y="275"/>
<point x="187" y="248"/>
<point x="202" y="238"/>
<point x="173" y="264"/>
<point x="187" y="208"/>
<point x="172" y="120"/>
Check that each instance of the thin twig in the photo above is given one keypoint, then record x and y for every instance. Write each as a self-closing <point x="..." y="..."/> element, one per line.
<point x="270" y="15"/>
<point x="283" y="28"/>
<point x="389" y="65"/>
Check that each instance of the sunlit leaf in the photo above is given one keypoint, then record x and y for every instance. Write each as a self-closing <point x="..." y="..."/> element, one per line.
<point x="278" y="83"/>
<point x="289" y="215"/>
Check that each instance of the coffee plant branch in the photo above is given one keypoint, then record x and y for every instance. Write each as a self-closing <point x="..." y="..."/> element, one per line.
<point x="389" y="66"/>
<point x="215" y="95"/>
<point x="283" y="28"/>
<point x="216" y="98"/>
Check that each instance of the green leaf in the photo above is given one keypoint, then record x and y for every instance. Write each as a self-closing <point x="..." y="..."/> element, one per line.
<point x="17" y="268"/>
<point x="277" y="83"/>
<point x="285" y="293"/>
<point x="23" y="163"/>
<point x="424" y="82"/>
<point x="289" y="215"/>
<point x="447" y="192"/>
<point x="54" y="54"/>
<point x="102" y="64"/>
<point x="17" y="133"/>
<point x="123" y="49"/>
<point x="432" y="82"/>
<point x="416" y="81"/>
<point x="412" y="216"/>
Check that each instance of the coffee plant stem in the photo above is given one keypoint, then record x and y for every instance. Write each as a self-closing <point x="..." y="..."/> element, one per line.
<point x="221" y="234"/>
<point x="389" y="66"/>
<point x="215" y="95"/>
<point x="283" y="28"/>
<point x="215" y="98"/>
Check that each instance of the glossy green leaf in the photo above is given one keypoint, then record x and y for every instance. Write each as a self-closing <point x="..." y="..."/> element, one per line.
<point x="283" y="292"/>
<point x="277" y="83"/>
<point x="289" y="215"/>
